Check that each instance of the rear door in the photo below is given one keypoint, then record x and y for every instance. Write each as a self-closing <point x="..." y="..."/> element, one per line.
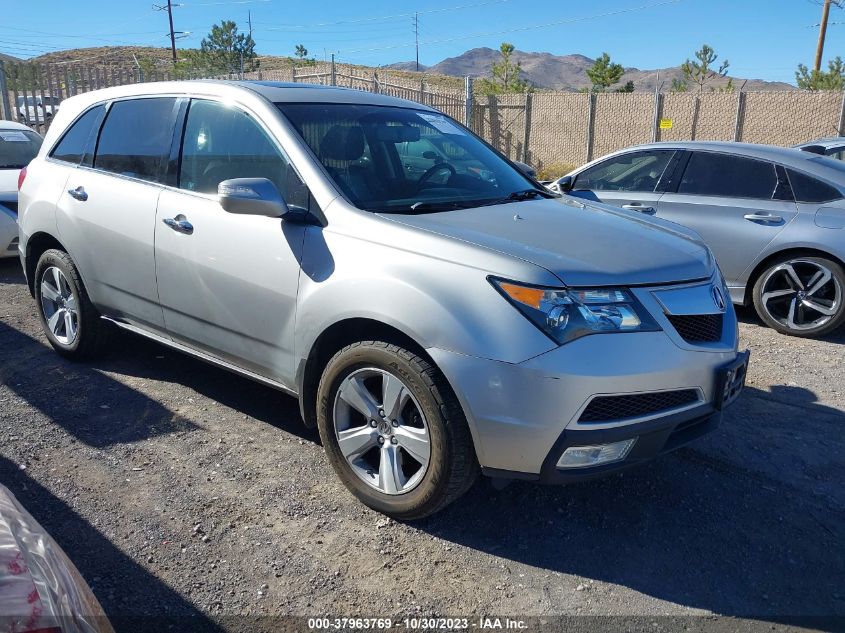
<point x="737" y="204"/>
<point x="630" y="180"/>
<point x="107" y="211"/>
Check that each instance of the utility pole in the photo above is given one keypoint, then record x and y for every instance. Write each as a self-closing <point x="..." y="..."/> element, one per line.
<point x="249" y="19"/>
<point x="822" y="33"/>
<point x="417" y="37"/>
<point x="169" y="9"/>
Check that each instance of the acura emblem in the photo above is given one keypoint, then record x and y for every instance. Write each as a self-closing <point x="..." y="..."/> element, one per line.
<point x="718" y="297"/>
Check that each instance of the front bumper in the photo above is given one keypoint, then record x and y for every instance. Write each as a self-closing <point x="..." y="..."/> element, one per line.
<point x="523" y="416"/>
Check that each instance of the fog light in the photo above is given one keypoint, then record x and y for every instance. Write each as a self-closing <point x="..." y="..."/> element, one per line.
<point x="582" y="456"/>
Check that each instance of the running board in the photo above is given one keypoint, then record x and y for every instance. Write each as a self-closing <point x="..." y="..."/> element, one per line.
<point x="208" y="358"/>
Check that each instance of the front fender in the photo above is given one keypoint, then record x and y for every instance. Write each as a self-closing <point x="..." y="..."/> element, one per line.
<point x="437" y="302"/>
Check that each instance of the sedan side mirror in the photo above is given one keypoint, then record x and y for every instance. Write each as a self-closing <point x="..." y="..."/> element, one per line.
<point x="252" y="196"/>
<point x="564" y="184"/>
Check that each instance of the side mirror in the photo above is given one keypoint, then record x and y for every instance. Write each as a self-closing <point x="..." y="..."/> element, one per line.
<point x="564" y="184"/>
<point x="252" y="196"/>
<point x="430" y="155"/>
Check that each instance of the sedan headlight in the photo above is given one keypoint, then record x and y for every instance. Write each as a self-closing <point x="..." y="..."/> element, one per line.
<point x="565" y="314"/>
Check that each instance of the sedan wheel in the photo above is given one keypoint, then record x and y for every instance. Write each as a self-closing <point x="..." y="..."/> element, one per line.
<point x="59" y="305"/>
<point x="801" y="296"/>
<point x="381" y="431"/>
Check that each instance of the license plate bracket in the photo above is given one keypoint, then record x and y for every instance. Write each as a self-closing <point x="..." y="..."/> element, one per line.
<point x="730" y="380"/>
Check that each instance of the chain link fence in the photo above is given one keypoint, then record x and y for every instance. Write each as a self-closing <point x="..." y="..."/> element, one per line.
<point x="552" y="131"/>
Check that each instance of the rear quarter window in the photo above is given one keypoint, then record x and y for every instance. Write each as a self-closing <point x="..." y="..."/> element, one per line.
<point x="809" y="189"/>
<point x="77" y="144"/>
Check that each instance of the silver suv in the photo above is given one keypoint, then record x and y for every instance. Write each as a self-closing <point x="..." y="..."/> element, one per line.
<point x="432" y="323"/>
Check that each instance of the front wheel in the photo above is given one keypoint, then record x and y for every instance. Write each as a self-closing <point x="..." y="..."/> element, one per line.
<point x="801" y="296"/>
<point x="393" y="430"/>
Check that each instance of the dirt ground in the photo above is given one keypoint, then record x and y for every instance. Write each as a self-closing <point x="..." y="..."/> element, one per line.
<point x="184" y="492"/>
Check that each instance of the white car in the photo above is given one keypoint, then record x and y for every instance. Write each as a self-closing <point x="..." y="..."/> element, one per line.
<point x="18" y="146"/>
<point x="37" y="109"/>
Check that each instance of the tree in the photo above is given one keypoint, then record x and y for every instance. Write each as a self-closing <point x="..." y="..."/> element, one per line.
<point x="703" y="71"/>
<point x="628" y="87"/>
<point x="679" y="85"/>
<point x="301" y="52"/>
<point x="605" y="73"/>
<point x="220" y="53"/>
<point x="506" y="74"/>
<point x="831" y="79"/>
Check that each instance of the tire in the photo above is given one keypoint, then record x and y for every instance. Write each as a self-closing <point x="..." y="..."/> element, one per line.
<point x="787" y="294"/>
<point x="427" y="407"/>
<point x="88" y="333"/>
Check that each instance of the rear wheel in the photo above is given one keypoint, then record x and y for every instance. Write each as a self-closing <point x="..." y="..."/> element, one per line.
<point x="801" y="296"/>
<point x="393" y="430"/>
<point x="70" y="321"/>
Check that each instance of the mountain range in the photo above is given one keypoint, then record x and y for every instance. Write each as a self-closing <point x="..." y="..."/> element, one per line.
<point x="566" y="72"/>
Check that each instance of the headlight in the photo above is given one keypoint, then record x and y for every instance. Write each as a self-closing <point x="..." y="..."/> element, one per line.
<point x="565" y="314"/>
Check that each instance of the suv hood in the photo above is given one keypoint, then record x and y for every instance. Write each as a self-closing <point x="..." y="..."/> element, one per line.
<point x="581" y="243"/>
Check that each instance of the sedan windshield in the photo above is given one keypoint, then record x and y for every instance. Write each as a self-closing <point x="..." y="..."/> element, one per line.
<point x="17" y="148"/>
<point x="399" y="160"/>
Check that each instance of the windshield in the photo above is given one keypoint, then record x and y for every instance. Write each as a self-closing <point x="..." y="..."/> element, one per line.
<point x="404" y="161"/>
<point x="17" y="148"/>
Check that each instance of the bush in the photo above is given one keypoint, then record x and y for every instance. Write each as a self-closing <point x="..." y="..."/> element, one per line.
<point x="553" y="171"/>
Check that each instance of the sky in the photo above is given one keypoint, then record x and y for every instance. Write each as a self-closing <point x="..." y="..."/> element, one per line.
<point x="762" y="39"/>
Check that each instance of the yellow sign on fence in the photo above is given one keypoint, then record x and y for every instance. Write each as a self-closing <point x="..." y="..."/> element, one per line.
<point x="666" y="124"/>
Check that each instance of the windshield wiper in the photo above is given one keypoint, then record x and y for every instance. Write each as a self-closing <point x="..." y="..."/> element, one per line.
<point x="521" y="196"/>
<point x="450" y="205"/>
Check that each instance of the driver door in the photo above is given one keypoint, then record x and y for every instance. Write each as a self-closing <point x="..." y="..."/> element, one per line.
<point x="228" y="283"/>
<point x="628" y="180"/>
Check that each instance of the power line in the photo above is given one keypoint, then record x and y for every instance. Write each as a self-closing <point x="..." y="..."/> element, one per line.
<point x="390" y="17"/>
<point x="521" y="29"/>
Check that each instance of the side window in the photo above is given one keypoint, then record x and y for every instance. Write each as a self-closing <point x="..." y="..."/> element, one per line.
<point x="77" y="144"/>
<point x="223" y="142"/>
<point x="136" y="138"/>
<point x="713" y="174"/>
<point x="809" y="189"/>
<point x="637" y="171"/>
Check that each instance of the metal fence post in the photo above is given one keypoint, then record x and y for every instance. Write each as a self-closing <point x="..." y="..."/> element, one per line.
<point x="334" y="72"/>
<point x="591" y="123"/>
<point x="655" y="124"/>
<point x="841" y="129"/>
<point x="4" y="91"/>
<point x="740" y="115"/>
<point x="527" y="136"/>
<point x="468" y="102"/>
<point x="376" y="88"/>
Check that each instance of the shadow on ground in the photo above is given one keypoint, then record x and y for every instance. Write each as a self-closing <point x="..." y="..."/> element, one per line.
<point x="96" y="557"/>
<point x="747" y="522"/>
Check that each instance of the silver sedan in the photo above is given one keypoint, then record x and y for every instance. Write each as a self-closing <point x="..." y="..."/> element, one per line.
<point x="774" y="217"/>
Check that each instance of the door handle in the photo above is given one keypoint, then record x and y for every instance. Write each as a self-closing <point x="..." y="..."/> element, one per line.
<point x="763" y="217"/>
<point x="179" y="224"/>
<point x="78" y="194"/>
<point x="640" y="208"/>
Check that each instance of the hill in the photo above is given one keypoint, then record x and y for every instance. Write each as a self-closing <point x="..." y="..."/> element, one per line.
<point x="569" y="72"/>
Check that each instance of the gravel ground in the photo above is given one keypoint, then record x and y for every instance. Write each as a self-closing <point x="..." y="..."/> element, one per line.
<point x="181" y="490"/>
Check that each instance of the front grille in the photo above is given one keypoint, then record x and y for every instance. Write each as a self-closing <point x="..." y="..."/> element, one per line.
<point x="698" y="328"/>
<point x="607" y="408"/>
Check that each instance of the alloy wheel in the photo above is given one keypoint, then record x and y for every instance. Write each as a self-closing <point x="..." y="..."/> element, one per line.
<point x="59" y="305"/>
<point x="801" y="294"/>
<point x="381" y="430"/>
